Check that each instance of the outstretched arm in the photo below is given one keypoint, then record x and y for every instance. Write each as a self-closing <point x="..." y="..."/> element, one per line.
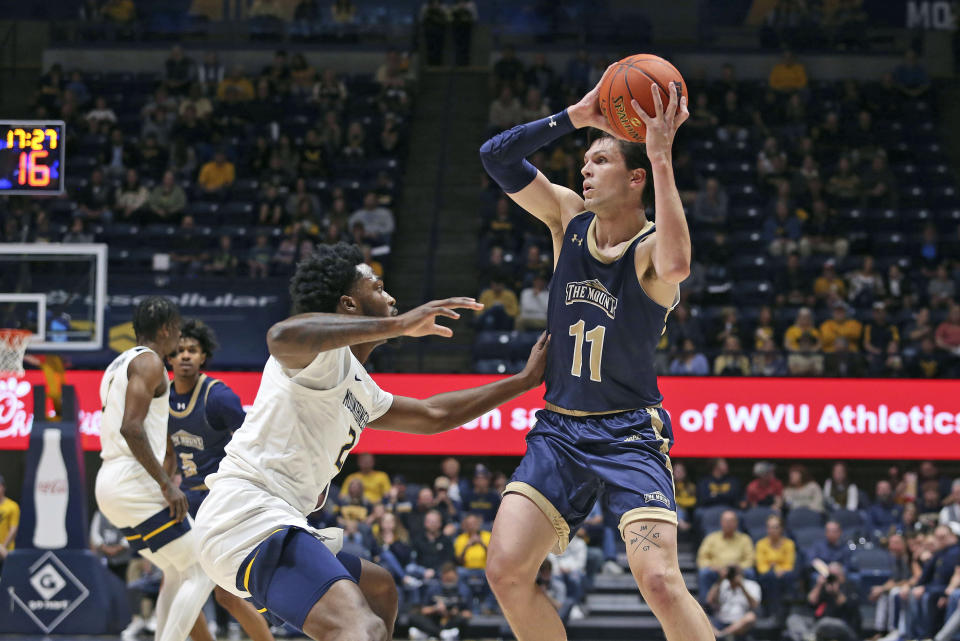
<point x="671" y="251"/>
<point x="145" y="375"/>
<point x="296" y="341"/>
<point x="449" y="410"/>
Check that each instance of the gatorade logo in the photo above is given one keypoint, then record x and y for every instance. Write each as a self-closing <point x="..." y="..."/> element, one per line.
<point x="50" y="594"/>
<point x="47" y="582"/>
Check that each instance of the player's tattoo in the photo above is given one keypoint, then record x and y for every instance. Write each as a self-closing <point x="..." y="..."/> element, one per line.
<point x="644" y="541"/>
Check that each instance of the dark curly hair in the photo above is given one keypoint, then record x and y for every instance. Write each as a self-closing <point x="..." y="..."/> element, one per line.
<point x="202" y="333"/>
<point x="152" y="314"/>
<point x="325" y="276"/>
<point x="634" y="156"/>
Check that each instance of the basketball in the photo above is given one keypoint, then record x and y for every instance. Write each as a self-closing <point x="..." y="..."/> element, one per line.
<point x="630" y="79"/>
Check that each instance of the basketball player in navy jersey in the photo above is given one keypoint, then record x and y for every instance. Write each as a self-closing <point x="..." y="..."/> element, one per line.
<point x="616" y="278"/>
<point x="204" y="413"/>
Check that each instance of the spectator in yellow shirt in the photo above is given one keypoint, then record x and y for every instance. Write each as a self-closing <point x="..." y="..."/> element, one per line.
<point x="500" y="305"/>
<point x="731" y="361"/>
<point x="355" y="506"/>
<point x="776" y="562"/>
<point x="788" y="75"/>
<point x="376" y="484"/>
<point x="803" y="326"/>
<point x="235" y="87"/>
<point x="839" y="325"/>
<point x="9" y="521"/>
<point x="721" y="549"/>
<point x="470" y="546"/>
<point x="217" y="174"/>
<point x="828" y="283"/>
<point x="120" y="11"/>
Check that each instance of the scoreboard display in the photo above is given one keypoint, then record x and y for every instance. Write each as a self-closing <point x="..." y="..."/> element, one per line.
<point x="32" y="154"/>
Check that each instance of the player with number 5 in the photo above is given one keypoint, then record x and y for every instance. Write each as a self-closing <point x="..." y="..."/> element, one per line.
<point x="603" y="432"/>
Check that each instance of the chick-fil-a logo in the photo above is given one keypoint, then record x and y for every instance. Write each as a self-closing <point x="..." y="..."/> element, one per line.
<point x="14" y="418"/>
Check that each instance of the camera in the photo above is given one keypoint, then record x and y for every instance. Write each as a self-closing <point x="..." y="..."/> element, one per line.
<point x="832" y="578"/>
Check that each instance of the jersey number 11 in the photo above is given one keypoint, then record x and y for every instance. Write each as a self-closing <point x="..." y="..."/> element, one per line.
<point x="595" y="338"/>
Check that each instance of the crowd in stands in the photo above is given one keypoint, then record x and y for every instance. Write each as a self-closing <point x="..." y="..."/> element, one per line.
<point x="805" y="554"/>
<point x="302" y="20"/>
<point x="802" y="24"/>
<point x="247" y="171"/>
<point x="824" y="216"/>
<point x="831" y="548"/>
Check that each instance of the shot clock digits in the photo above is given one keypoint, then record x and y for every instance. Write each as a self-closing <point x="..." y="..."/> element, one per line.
<point x="31" y="157"/>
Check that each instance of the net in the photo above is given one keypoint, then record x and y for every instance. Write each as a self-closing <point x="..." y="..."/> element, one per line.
<point x="13" y="345"/>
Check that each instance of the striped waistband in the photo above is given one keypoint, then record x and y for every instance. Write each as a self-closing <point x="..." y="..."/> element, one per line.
<point x="563" y="410"/>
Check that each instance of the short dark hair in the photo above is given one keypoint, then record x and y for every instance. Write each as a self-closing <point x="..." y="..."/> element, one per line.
<point x="202" y="333"/>
<point x="153" y="314"/>
<point x="448" y="566"/>
<point x="634" y="156"/>
<point x="324" y="276"/>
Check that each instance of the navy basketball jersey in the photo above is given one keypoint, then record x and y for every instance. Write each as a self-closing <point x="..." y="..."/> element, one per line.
<point x="198" y="444"/>
<point x="603" y="328"/>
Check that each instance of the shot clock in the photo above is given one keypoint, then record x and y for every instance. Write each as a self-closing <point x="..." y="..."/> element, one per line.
<point x="32" y="156"/>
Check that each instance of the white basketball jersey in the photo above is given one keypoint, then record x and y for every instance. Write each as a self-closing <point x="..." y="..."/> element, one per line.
<point x="113" y="395"/>
<point x="302" y="426"/>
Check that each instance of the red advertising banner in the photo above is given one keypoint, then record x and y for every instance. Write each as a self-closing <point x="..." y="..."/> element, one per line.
<point x="732" y="417"/>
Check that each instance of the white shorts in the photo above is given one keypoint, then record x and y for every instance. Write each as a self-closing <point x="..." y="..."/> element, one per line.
<point x="235" y="518"/>
<point x="128" y="496"/>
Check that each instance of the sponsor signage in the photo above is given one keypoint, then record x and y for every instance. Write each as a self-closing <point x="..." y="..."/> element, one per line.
<point x="711" y="416"/>
<point x="51" y="594"/>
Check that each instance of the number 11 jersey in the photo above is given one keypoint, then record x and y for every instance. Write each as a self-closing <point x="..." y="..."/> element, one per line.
<point x="604" y="328"/>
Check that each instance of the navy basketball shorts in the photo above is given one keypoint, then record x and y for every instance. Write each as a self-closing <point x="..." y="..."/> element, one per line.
<point x="195" y="498"/>
<point x="290" y="571"/>
<point x="624" y="458"/>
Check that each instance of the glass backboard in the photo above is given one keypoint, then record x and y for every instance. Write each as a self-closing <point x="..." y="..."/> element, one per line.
<point x="57" y="291"/>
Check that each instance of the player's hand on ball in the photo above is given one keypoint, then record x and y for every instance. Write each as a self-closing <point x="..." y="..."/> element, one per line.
<point x="537" y="362"/>
<point x="422" y="321"/>
<point x="662" y="127"/>
<point x="586" y="113"/>
<point x="177" y="501"/>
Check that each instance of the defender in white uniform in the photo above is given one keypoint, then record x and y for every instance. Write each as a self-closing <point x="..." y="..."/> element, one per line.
<point x="315" y="399"/>
<point x="133" y="489"/>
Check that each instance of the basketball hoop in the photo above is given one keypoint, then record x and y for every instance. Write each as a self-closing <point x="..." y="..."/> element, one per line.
<point x="13" y="345"/>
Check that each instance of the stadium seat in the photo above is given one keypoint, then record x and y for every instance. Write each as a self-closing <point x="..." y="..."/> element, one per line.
<point x="522" y="343"/>
<point x="873" y="566"/>
<point x="492" y="366"/>
<point x="237" y="213"/>
<point x="492" y="345"/>
<point x="709" y="517"/>
<point x="872" y="561"/>
<point x="805" y="537"/>
<point x="851" y="521"/>
<point x="203" y="212"/>
<point x="802" y="517"/>
<point x="755" y="518"/>
<point x="758" y="292"/>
